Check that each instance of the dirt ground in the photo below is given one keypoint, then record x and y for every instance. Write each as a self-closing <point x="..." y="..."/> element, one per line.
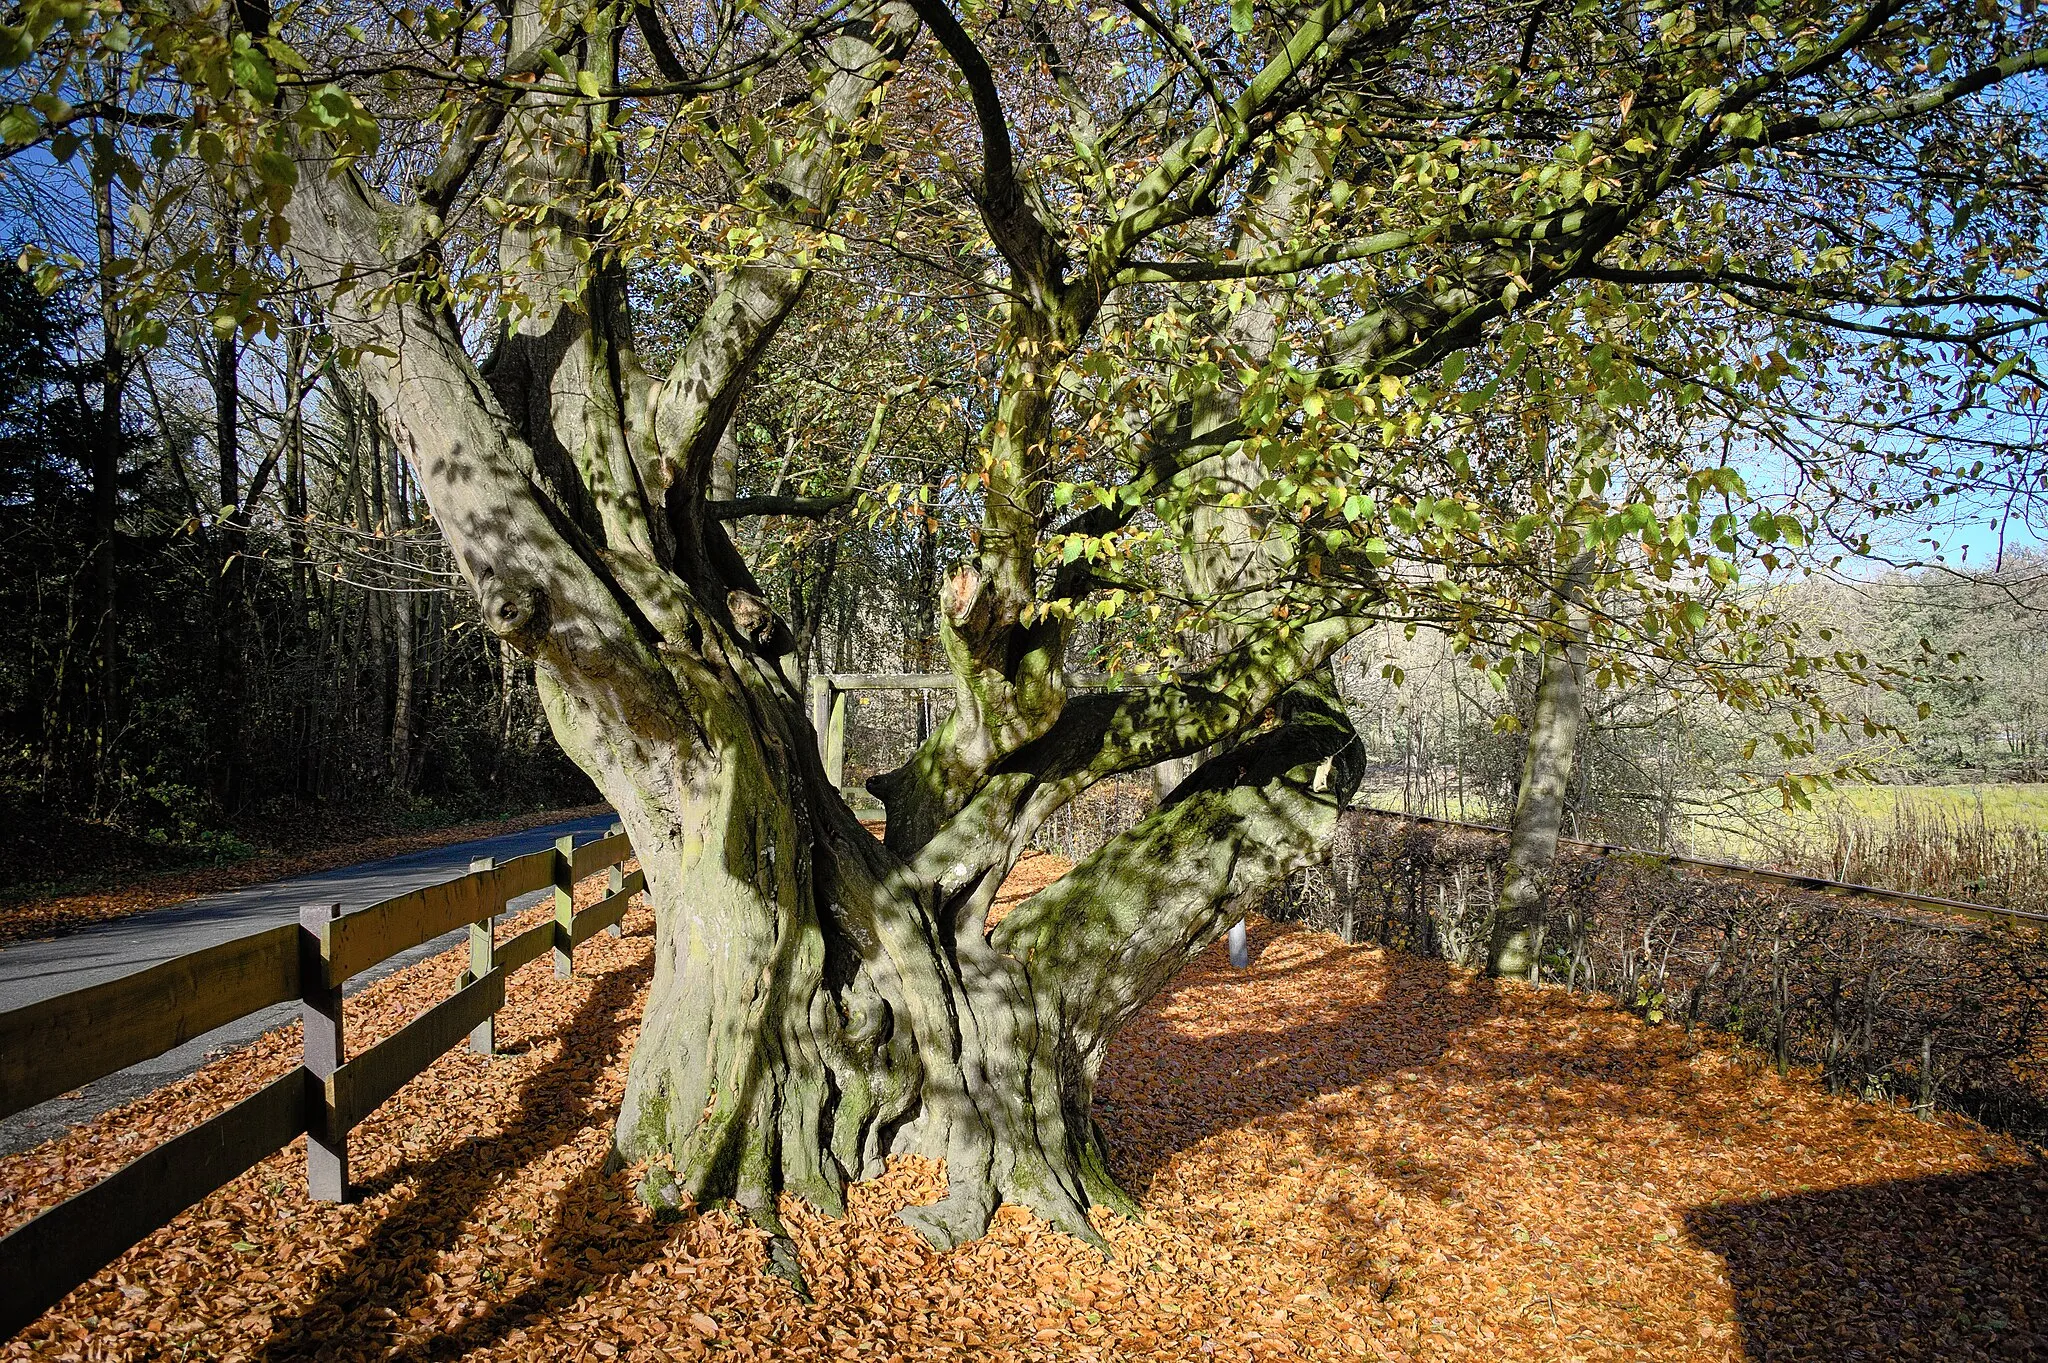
<point x="1341" y="1153"/>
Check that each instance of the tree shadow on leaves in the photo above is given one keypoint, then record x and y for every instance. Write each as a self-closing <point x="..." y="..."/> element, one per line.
<point x="1254" y="1052"/>
<point x="1930" y="1268"/>
<point x="368" y="1302"/>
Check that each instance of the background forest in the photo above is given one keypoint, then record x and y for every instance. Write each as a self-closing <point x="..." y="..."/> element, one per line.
<point x="293" y="654"/>
<point x="289" y="656"/>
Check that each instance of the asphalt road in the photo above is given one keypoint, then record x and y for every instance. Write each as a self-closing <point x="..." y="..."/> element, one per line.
<point x="36" y="970"/>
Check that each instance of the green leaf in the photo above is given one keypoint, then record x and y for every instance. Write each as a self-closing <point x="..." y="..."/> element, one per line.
<point x="253" y="72"/>
<point x="330" y="107"/>
<point x="19" y="126"/>
<point x="1240" y="16"/>
<point x="17" y="45"/>
<point x="586" y="81"/>
<point x="276" y="168"/>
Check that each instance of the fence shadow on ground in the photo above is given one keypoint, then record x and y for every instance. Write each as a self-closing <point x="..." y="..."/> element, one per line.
<point x="389" y="1270"/>
<point x="1854" y="1273"/>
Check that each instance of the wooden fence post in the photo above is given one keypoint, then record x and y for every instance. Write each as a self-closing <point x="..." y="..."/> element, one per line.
<point x="828" y="720"/>
<point x="565" y="906"/>
<point x="322" y="1054"/>
<point x="835" y="740"/>
<point x="615" y="879"/>
<point x="483" y="956"/>
<point x="821" y="709"/>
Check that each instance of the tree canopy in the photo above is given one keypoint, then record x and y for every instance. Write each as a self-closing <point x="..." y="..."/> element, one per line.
<point x="1202" y="337"/>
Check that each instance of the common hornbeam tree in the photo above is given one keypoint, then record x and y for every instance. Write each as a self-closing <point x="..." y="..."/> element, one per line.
<point x="1313" y="209"/>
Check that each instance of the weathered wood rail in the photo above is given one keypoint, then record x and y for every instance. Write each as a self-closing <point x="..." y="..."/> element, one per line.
<point x="828" y="692"/>
<point x="61" y="1043"/>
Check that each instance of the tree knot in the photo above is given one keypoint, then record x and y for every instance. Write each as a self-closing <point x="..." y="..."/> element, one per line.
<point x="514" y="610"/>
<point x="966" y="601"/>
<point x="755" y="621"/>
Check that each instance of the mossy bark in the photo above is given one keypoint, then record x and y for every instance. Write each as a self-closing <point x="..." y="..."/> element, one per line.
<point x="820" y="1000"/>
<point x="811" y="1011"/>
<point x="815" y="1006"/>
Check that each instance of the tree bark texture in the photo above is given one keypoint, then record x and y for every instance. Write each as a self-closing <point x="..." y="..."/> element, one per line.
<point x="1559" y="716"/>
<point x="230" y="583"/>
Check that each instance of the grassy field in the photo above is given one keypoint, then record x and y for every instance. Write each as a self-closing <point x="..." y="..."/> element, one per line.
<point x="1763" y="829"/>
<point x="1985" y="843"/>
<point x="2009" y="804"/>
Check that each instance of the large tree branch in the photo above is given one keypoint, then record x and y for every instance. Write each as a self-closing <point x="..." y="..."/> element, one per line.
<point x="1183" y="178"/>
<point x="692" y="406"/>
<point x="479" y="131"/>
<point x="1268" y="266"/>
<point x="1115" y="929"/>
<point x="1030" y="249"/>
<point x="1898" y="110"/>
<point x="540" y="588"/>
<point x="967" y="849"/>
<point x="1805" y="288"/>
<point x="780" y="504"/>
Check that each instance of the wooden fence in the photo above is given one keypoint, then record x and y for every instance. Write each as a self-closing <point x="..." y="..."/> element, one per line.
<point x="61" y="1043"/>
<point x="828" y="692"/>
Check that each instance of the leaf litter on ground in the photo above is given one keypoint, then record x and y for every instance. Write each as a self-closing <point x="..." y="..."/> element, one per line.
<point x="1341" y="1152"/>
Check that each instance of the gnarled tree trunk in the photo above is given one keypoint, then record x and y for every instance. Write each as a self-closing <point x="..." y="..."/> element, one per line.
<point x="820" y="999"/>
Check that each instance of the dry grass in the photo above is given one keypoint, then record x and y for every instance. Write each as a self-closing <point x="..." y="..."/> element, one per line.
<point x="1959" y="854"/>
<point x="1342" y="1153"/>
<point x="1986" y="843"/>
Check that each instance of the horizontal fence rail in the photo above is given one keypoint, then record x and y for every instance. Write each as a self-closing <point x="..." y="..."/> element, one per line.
<point x="828" y="692"/>
<point x="61" y="1043"/>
